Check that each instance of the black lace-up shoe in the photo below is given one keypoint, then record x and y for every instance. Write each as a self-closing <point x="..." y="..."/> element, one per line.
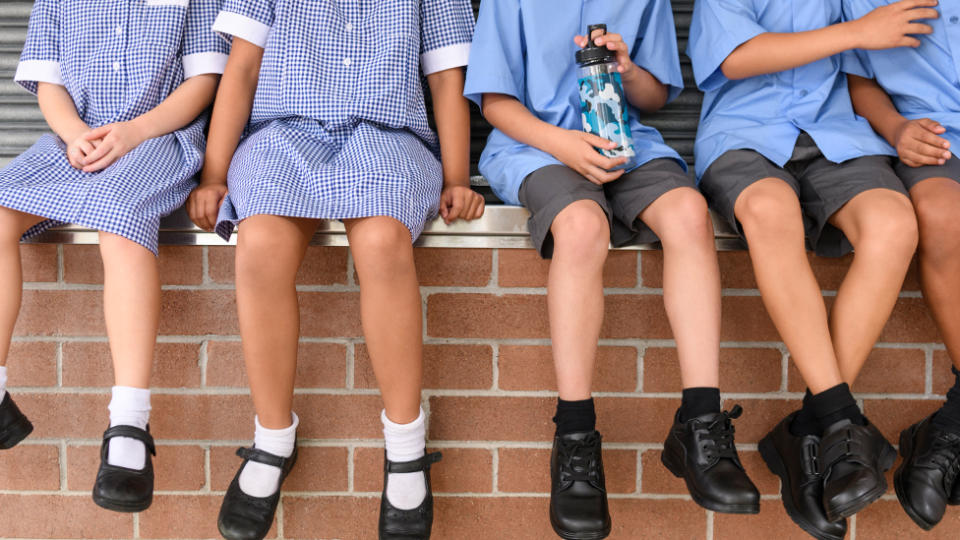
<point x="852" y="461"/>
<point x="702" y="452"/>
<point x="414" y="524"/>
<point x="243" y="517"/>
<point x="121" y="489"/>
<point x="14" y="426"/>
<point x="929" y="472"/>
<point x="578" y="492"/>
<point x="795" y="461"/>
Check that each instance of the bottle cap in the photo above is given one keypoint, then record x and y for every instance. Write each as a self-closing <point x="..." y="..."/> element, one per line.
<point x="594" y="54"/>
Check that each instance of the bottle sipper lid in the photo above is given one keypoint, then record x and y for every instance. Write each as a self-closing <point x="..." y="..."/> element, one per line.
<point x="594" y="54"/>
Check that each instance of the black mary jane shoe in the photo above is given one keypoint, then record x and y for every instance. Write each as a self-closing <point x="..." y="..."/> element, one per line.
<point x="853" y="460"/>
<point x="795" y="460"/>
<point x="121" y="489"/>
<point x="929" y="473"/>
<point x="413" y="524"/>
<point x="578" y="492"/>
<point x="702" y="452"/>
<point x="14" y="426"/>
<point x="243" y="517"/>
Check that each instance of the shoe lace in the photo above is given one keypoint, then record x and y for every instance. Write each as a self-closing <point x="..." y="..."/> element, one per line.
<point x="945" y="455"/>
<point x="580" y="459"/>
<point x="718" y="440"/>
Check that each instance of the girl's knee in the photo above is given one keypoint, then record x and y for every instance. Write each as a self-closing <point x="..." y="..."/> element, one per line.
<point x="380" y="237"/>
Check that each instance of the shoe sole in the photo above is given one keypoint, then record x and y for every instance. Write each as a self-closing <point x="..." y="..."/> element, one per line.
<point x="118" y="506"/>
<point x="768" y="451"/>
<point x="906" y="450"/>
<point x="673" y="463"/>
<point x="868" y="498"/>
<point x="591" y="535"/>
<point x="15" y="433"/>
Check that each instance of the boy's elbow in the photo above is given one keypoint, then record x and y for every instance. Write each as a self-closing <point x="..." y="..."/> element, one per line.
<point x="732" y="69"/>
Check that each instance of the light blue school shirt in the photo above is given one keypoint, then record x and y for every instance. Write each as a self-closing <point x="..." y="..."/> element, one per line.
<point x="766" y="113"/>
<point x="922" y="82"/>
<point x="525" y="49"/>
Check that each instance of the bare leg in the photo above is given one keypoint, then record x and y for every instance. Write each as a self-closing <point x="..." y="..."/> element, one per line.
<point x="12" y="226"/>
<point x="691" y="282"/>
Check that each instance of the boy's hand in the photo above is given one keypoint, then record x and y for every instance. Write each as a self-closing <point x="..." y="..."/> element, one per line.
<point x="460" y="202"/>
<point x="203" y="205"/>
<point x="918" y="143"/>
<point x="615" y="43"/>
<point x="116" y="140"/>
<point x="79" y="149"/>
<point x="578" y="150"/>
<point x="890" y="26"/>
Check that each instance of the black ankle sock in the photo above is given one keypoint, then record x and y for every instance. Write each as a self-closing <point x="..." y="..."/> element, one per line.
<point x="836" y="404"/>
<point x="699" y="401"/>
<point x="805" y="422"/>
<point x="575" y="416"/>
<point x="948" y="417"/>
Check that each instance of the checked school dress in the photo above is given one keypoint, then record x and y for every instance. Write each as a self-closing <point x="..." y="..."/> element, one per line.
<point x="339" y="127"/>
<point x="118" y="59"/>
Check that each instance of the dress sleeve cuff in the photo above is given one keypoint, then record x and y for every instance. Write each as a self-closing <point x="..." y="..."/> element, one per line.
<point x="448" y="57"/>
<point x="203" y="63"/>
<point x="242" y="27"/>
<point x="37" y="71"/>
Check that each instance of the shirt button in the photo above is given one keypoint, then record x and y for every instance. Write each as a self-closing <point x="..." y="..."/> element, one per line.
<point x="954" y="19"/>
<point x="347" y="61"/>
<point x="119" y="30"/>
<point x="116" y="66"/>
<point x="803" y="93"/>
<point x="348" y="27"/>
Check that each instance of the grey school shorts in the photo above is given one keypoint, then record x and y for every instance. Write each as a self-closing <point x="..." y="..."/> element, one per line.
<point x="822" y="186"/>
<point x="548" y="190"/>
<point x="912" y="176"/>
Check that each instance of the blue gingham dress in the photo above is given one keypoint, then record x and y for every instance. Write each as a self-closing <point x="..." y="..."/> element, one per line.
<point x="118" y="59"/>
<point x="339" y="128"/>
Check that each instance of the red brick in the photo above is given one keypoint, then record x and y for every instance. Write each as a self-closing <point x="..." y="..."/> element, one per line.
<point x="345" y="518"/>
<point x="645" y="420"/>
<point x="330" y="314"/>
<point x="772" y="522"/>
<point x="321" y="266"/>
<point x="655" y="478"/>
<point x="516" y="518"/>
<point x="629" y="316"/>
<point x="912" y="281"/>
<point x="63" y="415"/>
<point x="524" y="367"/>
<point x="741" y="370"/>
<point x="45" y="516"/>
<point x="667" y="519"/>
<point x="910" y="323"/>
<point x="319" y="365"/>
<point x="61" y="313"/>
<point x="760" y="416"/>
<point x="487" y="315"/>
<point x="527" y="470"/>
<point x="29" y="467"/>
<point x="891" y="416"/>
<point x="39" y="262"/>
<point x="453" y="267"/>
<point x="490" y="418"/>
<point x="943" y="378"/>
<point x="463" y="470"/>
<point x="179" y="265"/>
<point x="444" y="366"/>
<point x="32" y="363"/>
<point x="318" y="468"/>
<point x="886" y="519"/>
<point x="525" y="268"/>
<point x="204" y="417"/>
<point x="175" y="365"/>
<point x="337" y="417"/>
<point x="893" y="371"/>
<point x="745" y="319"/>
<point x="176" y="467"/>
<point x="183" y="516"/>
<point x="186" y="312"/>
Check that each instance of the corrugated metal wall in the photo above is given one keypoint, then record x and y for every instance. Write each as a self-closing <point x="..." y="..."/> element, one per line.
<point x="21" y="122"/>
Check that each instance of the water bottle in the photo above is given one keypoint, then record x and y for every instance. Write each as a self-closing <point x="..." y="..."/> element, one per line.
<point x="603" y="106"/>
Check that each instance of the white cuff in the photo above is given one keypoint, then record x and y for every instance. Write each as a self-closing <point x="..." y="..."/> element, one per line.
<point x="46" y="71"/>
<point x="443" y="58"/>
<point x="242" y="27"/>
<point x="202" y="63"/>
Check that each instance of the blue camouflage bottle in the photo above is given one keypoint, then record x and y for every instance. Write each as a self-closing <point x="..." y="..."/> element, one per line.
<point x="603" y="106"/>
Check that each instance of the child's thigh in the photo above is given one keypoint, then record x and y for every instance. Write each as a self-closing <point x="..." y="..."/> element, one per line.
<point x="14" y="223"/>
<point x="264" y="237"/>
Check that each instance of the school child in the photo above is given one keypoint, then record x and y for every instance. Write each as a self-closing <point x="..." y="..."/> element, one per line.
<point x="326" y="103"/>
<point x="781" y="154"/>
<point x="121" y="84"/>
<point x="524" y="76"/>
<point x="917" y="110"/>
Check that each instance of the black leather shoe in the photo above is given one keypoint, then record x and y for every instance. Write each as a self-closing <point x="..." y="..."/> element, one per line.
<point x="14" y="426"/>
<point x="794" y="460"/>
<point x="578" y="492"/>
<point x="702" y="452"/>
<point x="121" y="489"/>
<point x="929" y="472"/>
<point x="414" y="524"/>
<point x="852" y="461"/>
<point x="243" y="517"/>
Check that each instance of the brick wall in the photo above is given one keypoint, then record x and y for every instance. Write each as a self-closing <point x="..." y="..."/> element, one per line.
<point x="488" y="387"/>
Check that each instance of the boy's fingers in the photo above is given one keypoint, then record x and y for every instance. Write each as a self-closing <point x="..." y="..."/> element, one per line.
<point x="918" y="28"/>
<point x="931" y="125"/>
<point x="910" y="42"/>
<point x="923" y="13"/>
<point x="936" y="142"/>
<point x="921" y="159"/>
<point x="598" y="141"/>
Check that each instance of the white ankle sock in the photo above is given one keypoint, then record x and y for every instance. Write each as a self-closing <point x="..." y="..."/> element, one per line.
<point x="260" y="479"/>
<point x="405" y="442"/>
<point x="3" y="382"/>
<point x="129" y="407"/>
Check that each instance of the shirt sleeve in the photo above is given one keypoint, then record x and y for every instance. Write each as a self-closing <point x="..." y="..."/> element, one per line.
<point x="249" y="20"/>
<point x="496" y="59"/>
<point x="204" y="51"/>
<point x="854" y="62"/>
<point x="40" y="60"/>
<point x="656" y="47"/>
<point x="447" y="30"/>
<point x="719" y="27"/>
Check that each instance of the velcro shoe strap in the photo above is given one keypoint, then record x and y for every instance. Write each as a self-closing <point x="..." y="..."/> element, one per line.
<point x="261" y="456"/>
<point x="417" y="465"/>
<point x="851" y="445"/>
<point x="131" y="432"/>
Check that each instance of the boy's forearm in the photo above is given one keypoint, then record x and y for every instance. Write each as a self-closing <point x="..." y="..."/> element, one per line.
<point x="774" y="52"/>
<point x="180" y="108"/>
<point x="60" y="111"/>
<point x="872" y="102"/>
<point x="644" y="91"/>
<point x="510" y="116"/>
<point x="452" y="114"/>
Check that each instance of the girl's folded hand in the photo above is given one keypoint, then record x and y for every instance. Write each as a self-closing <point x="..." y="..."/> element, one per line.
<point x="116" y="140"/>
<point x="79" y="149"/>
<point x="203" y="205"/>
<point x="460" y="202"/>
